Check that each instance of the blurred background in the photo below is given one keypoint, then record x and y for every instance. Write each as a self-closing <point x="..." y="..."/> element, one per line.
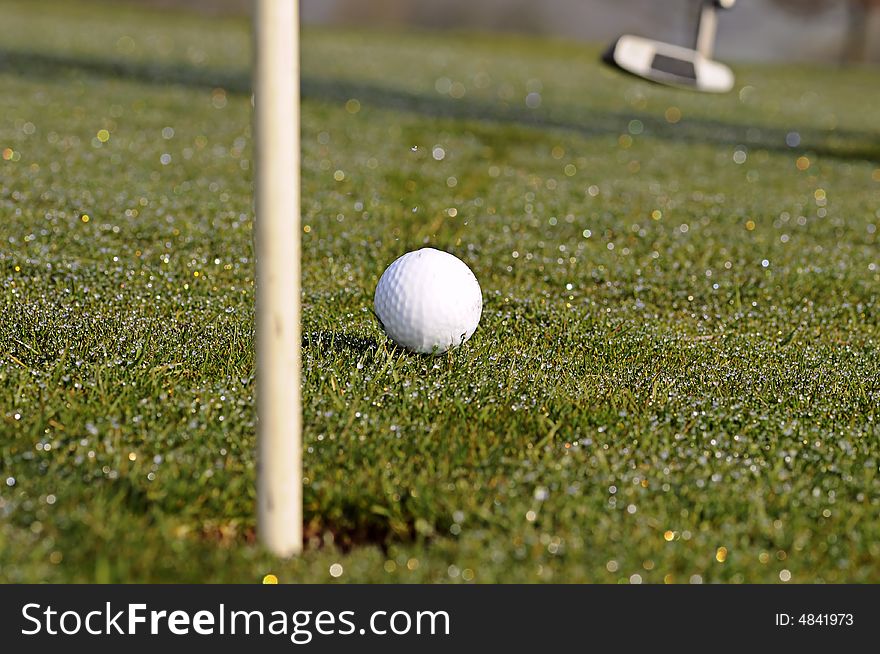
<point x="829" y="31"/>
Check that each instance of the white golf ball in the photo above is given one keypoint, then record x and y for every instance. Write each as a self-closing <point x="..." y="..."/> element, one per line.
<point x="428" y="301"/>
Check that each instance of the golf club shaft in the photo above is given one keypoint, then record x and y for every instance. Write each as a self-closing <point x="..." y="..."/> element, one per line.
<point x="707" y="26"/>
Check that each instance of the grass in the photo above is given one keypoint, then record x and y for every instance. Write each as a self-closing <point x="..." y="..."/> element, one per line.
<point x="676" y="377"/>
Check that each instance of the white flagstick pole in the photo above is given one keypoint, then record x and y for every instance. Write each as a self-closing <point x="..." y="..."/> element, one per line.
<point x="276" y="114"/>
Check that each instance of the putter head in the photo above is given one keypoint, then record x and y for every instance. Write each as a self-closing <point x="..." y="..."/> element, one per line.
<point x="669" y="64"/>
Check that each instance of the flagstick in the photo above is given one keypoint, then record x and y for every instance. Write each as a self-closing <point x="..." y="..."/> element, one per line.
<point x="276" y="114"/>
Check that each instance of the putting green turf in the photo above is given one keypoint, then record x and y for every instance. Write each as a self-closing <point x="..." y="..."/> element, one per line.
<point x="676" y="377"/>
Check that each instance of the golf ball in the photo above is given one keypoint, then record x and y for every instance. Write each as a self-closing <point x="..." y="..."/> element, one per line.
<point x="428" y="301"/>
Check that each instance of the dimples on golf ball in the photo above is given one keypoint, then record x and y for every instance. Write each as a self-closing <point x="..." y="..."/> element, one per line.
<point x="428" y="301"/>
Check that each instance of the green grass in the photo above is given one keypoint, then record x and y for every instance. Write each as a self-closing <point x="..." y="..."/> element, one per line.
<point x="642" y="390"/>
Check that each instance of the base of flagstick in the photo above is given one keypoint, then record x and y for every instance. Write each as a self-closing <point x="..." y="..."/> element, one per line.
<point x="276" y="121"/>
